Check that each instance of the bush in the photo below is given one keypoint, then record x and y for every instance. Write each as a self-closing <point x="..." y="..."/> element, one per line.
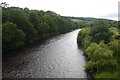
<point x="91" y="49"/>
<point x="101" y="56"/>
<point x="86" y="41"/>
<point x="90" y="67"/>
<point x="115" y="47"/>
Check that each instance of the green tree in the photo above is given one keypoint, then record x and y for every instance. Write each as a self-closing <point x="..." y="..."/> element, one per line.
<point x="81" y="35"/>
<point x="53" y="28"/>
<point x="100" y="32"/>
<point x="86" y="41"/>
<point x="35" y="24"/>
<point x="115" y="47"/>
<point x="43" y="30"/>
<point x="34" y="19"/>
<point x="102" y="56"/>
<point x="5" y="16"/>
<point x="90" y="50"/>
<point x="12" y="37"/>
<point x="18" y="17"/>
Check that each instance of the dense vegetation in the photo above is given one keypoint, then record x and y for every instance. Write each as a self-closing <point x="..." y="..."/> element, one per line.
<point x="24" y="26"/>
<point x="101" y="47"/>
<point x="99" y="38"/>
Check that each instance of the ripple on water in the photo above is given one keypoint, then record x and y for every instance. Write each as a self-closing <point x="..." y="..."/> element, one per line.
<point x="57" y="57"/>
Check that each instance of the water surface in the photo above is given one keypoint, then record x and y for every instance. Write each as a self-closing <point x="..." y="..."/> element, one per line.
<point x="57" y="57"/>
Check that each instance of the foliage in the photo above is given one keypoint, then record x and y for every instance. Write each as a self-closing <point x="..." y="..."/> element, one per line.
<point x="100" y="32"/>
<point x="12" y="37"/>
<point x="81" y="35"/>
<point x="101" y="50"/>
<point x="86" y="41"/>
<point x="90" y="67"/>
<point x="101" y="58"/>
<point x="33" y="24"/>
<point x="18" y="17"/>
<point x="91" y="49"/>
<point x="115" y="47"/>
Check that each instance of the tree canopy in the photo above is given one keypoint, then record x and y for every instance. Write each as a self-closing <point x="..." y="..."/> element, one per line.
<point x="31" y="25"/>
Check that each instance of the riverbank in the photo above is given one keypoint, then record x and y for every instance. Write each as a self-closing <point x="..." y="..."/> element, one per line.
<point x="35" y="43"/>
<point x="30" y="25"/>
<point x="101" y="56"/>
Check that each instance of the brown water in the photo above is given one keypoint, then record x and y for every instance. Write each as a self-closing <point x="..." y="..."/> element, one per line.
<point x="57" y="57"/>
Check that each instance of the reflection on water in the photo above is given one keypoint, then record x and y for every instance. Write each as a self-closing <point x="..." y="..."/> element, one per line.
<point x="58" y="57"/>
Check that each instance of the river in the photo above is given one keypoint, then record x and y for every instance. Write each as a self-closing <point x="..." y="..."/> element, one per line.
<point x="57" y="57"/>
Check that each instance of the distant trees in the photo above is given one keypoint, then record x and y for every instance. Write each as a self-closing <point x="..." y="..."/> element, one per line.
<point x="82" y="22"/>
<point x="31" y="25"/>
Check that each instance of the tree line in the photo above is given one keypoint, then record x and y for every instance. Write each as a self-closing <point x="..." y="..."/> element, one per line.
<point x="21" y="26"/>
<point x="90" y="22"/>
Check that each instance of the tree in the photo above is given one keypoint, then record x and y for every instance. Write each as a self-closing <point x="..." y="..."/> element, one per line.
<point x="4" y="5"/>
<point x="18" y="17"/>
<point x="102" y="56"/>
<point x="34" y="24"/>
<point x="34" y="18"/>
<point x="53" y="28"/>
<point x="81" y="35"/>
<point x="90" y="67"/>
<point x="43" y="30"/>
<point x="115" y="47"/>
<point x="12" y="37"/>
<point x="91" y="49"/>
<point x="5" y="16"/>
<point x="86" y="41"/>
<point x="100" y="32"/>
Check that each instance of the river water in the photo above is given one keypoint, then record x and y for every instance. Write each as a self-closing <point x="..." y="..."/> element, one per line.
<point x="57" y="57"/>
